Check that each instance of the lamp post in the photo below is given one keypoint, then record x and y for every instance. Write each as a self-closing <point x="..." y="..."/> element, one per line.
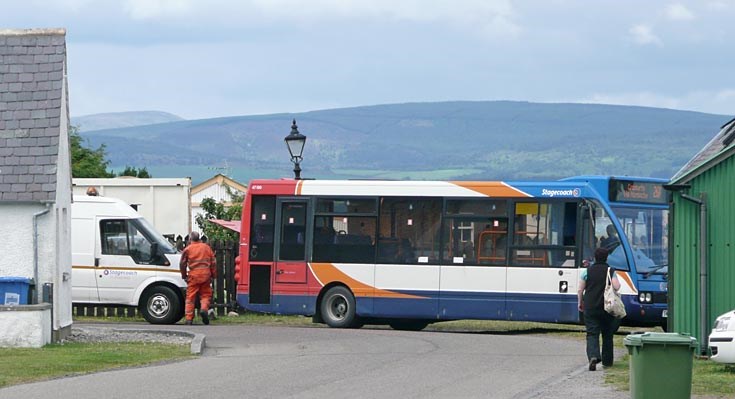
<point x="295" y="142"/>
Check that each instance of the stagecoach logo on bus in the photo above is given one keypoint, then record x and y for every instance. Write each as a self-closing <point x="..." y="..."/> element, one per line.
<point x="120" y="274"/>
<point x="572" y="192"/>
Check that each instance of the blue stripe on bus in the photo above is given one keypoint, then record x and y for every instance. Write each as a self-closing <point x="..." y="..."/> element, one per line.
<point x="472" y="305"/>
<point x="451" y="306"/>
<point x="553" y="308"/>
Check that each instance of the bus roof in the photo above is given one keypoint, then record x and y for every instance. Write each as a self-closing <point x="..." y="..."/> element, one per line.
<point x="573" y="187"/>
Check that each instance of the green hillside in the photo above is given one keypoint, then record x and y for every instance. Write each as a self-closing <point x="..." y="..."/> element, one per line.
<point x="448" y="140"/>
<point x="122" y="119"/>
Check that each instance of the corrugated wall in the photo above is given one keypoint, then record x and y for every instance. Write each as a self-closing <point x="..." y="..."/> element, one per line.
<point x="719" y="184"/>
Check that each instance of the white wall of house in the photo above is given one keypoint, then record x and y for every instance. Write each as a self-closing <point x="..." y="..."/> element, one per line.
<point x="27" y="329"/>
<point x="61" y="267"/>
<point x="16" y="220"/>
<point x="216" y="191"/>
<point x="30" y="328"/>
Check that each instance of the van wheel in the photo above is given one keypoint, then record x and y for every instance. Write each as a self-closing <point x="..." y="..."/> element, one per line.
<point x="161" y="305"/>
<point x="338" y="308"/>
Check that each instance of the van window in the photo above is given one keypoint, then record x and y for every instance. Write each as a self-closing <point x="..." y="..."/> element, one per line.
<point x="130" y="237"/>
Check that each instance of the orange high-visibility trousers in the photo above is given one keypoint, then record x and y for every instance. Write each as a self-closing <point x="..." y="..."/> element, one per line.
<point x="198" y="283"/>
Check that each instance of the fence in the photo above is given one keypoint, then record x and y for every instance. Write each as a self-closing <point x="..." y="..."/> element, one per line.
<point x="224" y="288"/>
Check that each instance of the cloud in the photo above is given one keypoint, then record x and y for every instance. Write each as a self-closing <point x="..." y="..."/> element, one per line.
<point x="494" y="18"/>
<point x="146" y="9"/>
<point x="678" y="12"/>
<point x="643" y="35"/>
<point x="717" y="5"/>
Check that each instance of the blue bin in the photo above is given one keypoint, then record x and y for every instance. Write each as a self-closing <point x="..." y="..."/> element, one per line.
<point x="14" y="290"/>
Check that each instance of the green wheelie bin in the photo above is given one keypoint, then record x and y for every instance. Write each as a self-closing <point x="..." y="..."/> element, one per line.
<point x="660" y="365"/>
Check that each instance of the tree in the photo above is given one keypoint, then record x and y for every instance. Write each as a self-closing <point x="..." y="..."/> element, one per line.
<point x="135" y="172"/>
<point x="218" y="210"/>
<point x="87" y="162"/>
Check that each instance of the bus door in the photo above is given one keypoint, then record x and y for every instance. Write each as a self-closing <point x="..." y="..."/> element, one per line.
<point x="542" y="277"/>
<point x="290" y="267"/>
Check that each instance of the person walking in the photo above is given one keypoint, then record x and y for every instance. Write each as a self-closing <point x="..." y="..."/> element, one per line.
<point x="200" y="261"/>
<point x="590" y="300"/>
<point x="179" y="243"/>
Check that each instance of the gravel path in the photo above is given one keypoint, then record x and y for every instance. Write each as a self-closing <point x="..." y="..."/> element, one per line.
<point x="104" y="334"/>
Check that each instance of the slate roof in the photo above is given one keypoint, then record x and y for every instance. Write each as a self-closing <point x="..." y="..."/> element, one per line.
<point x="32" y="68"/>
<point x="719" y="148"/>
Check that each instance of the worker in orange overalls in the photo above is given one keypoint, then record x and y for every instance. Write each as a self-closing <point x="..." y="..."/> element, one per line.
<point x="200" y="260"/>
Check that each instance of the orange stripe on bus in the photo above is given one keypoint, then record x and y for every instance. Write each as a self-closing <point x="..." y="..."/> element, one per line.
<point x="299" y="185"/>
<point x="491" y="189"/>
<point x="327" y="273"/>
<point x="628" y="281"/>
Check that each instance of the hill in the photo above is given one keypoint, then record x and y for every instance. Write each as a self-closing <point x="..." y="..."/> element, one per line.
<point x="447" y="140"/>
<point x="122" y="119"/>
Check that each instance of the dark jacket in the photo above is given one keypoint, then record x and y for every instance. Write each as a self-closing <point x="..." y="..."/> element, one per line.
<point x="594" y="289"/>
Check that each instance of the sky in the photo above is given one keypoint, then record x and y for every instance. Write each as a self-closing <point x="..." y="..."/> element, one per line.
<point x="212" y="58"/>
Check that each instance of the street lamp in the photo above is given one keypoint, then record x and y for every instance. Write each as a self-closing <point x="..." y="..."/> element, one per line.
<point x="295" y="143"/>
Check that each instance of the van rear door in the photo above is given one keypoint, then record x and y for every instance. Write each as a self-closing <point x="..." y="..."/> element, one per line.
<point x="84" y="287"/>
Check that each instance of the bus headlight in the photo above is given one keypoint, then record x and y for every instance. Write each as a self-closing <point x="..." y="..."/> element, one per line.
<point x="645" y="297"/>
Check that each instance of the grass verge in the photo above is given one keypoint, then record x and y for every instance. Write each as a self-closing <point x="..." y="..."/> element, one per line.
<point x="23" y="365"/>
<point x="709" y="379"/>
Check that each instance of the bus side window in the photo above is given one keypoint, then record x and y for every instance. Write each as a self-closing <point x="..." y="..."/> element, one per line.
<point x="475" y="231"/>
<point x="409" y="230"/>
<point x="345" y="239"/>
<point x="544" y="234"/>
<point x="493" y="242"/>
<point x="344" y="230"/>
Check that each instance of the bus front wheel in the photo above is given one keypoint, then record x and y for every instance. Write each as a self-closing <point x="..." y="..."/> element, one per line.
<point x="338" y="308"/>
<point x="408" y="325"/>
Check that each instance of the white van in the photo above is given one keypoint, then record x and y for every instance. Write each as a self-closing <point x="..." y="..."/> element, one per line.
<point x="119" y="258"/>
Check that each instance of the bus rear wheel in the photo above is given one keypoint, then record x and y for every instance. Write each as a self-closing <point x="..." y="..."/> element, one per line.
<point x="338" y="308"/>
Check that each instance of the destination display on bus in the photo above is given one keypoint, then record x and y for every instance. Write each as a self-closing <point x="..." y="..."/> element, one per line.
<point x="637" y="191"/>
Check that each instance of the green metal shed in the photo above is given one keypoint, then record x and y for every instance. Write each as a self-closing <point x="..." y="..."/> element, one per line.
<point x="702" y="238"/>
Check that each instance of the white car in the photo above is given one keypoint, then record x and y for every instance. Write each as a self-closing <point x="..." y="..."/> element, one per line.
<point x="722" y="339"/>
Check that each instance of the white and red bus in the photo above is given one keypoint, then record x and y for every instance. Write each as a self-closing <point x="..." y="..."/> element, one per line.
<point x="408" y="253"/>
